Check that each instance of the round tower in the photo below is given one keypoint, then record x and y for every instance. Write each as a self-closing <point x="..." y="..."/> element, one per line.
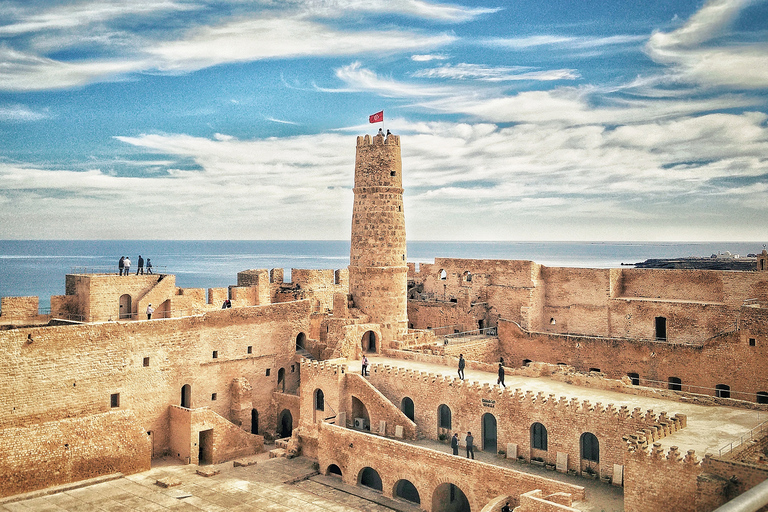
<point x="378" y="272"/>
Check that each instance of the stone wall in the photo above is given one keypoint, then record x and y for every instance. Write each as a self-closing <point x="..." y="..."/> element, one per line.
<point x="428" y="470"/>
<point x="658" y="481"/>
<point x="514" y="413"/>
<point x="58" y="452"/>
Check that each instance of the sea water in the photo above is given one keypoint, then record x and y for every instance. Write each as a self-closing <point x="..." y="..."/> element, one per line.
<point x="38" y="267"/>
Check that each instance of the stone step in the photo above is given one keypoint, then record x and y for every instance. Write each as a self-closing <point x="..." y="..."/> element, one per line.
<point x="277" y="452"/>
<point x="282" y="443"/>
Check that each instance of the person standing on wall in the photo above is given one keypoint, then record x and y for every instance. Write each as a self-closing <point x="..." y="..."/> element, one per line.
<point x="149" y="266"/>
<point x="365" y="366"/>
<point x="150" y="310"/>
<point x="127" y="265"/>
<point x="470" y="445"/>
<point x="455" y="443"/>
<point x="140" y="266"/>
<point x="462" y="363"/>
<point x="121" y="264"/>
<point x="500" y="380"/>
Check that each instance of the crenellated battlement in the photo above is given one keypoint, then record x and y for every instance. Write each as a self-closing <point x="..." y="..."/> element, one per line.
<point x="637" y="445"/>
<point x="322" y="368"/>
<point x="657" y="426"/>
<point x="378" y="140"/>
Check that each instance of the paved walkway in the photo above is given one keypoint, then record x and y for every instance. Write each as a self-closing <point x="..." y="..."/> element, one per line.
<point x="709" y="427"/>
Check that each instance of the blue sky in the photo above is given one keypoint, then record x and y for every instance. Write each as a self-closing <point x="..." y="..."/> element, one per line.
<point x="519" y="120"/>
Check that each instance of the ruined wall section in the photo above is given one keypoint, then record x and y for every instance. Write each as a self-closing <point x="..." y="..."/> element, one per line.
<point x="59" y="452"/>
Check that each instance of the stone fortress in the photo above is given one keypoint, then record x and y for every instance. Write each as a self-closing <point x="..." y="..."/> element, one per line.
<point x="660" y="369"/>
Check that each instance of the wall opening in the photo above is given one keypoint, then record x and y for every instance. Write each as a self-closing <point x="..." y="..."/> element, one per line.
<point x="635" y="378"/>
<point x="675" y="384"/>
<point x="449" y="498"/>
<point x="723" y="391"/>
<point x="467" y="276"/>
<point x="186" y="396"/>
<point x="489" y="433"/>
<point x="114" y="400"/>
<point x="444" y="416"/>
<point x="762" y="397"/>
<point x="368" y="342"/>
<point x="301" y="339"/>
<point x="360" y="415"/>
<point x="333" y="469"/>
<point x="538" y="437"/>
<point x="443" y="275"/>
<point x="406" y="490"/>
<point x="661" y="328"/>
<point x="125" y="307"/>
<point x="526" y="362"/>
<point x="205" y="447"/>
<point x="407" y="407"/>
<point x="254" y="421"/>
<point x="285" y="427"/>
<point x="370" y="478"/>
<point x="590" y="447"/>
<point x="281" y="380"/>
<point x="752" y="342"/>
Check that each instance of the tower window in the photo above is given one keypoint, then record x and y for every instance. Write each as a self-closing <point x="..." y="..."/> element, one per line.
<point x="250" y="349"/>
<point x="146" y="361"/>
<point x="213" y="396"/>
<point x="114" y="400"/>
<point x="215" y="354"/>
<point x="752" y="342"/>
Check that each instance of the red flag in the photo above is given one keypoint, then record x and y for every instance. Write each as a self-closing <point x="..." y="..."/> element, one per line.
<point x="378" y="117"/>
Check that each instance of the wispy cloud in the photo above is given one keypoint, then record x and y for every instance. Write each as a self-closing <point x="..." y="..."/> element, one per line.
<point x="693" y="52"/>
<point x="465" y="71"/>
<point x="21" y="113"/>
<point x="447" y="13"/>
<point x="564" y="42"/>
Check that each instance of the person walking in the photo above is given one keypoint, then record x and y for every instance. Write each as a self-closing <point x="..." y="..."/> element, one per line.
<point x="462" y="363"/>
<point x="365" y="366"/>
<point x="121" y="264"/>
<point x="500" y="380"/>
<point x="150" y="310"/>
<point x="455" y="443"/>
<point x="470" y="445"/>
<point x="140" y="266"/>
<point x="127" y="265"/>
<point x="506" y="508"/>
<point x="149" y="266"/>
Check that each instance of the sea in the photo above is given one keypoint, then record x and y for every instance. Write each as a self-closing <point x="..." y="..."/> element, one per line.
<point x="38" y="267"/>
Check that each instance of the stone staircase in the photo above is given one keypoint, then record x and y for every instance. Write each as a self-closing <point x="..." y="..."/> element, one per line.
<point x="281" y="447"/>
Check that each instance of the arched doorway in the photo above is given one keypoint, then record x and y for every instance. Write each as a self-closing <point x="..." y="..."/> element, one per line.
<point x="360" y="415"/>
<point x="281" y="380"/>
<point x="301" y="340"/>
<point x="254" y="421"/>
<point x="406" y="490"/>
<point x="369" y="477"/>
<point x="186" y="396"/>
<point x="319" y="408"/>
<point x="489" y="433"/>
<point x="449" y="498"/>
<point x="125" y="307"/>
<point x="590" y="451"/>
<point x="333" y="469"/>
<point x="285" y="425"/>
<point x="368" y="342"/>
<point x="444" y="417"/>
<point x="407" y="407"/>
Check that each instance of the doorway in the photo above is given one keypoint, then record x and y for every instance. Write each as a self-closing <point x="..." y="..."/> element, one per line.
<point x="286" y="424"/>
<point x="125" y="307"/>
<point x="368" y="343"/>
<point x="205" y="445"/>
<point x="186" y="396"/>
<point x="254" y="421"/>
<point x="489" y="433"/>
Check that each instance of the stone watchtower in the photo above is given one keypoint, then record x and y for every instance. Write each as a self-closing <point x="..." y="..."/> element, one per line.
<point x="378" y="272"/>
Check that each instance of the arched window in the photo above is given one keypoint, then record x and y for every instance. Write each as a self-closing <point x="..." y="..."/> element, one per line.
<point x="444" y="416"/>
<point x="254" y="421"/>
<point x="675" y="384"/>
<point x="723" y="391"/>
<point x="301" y="339"/>
<point x="590" y="448"/>
<point x="538" y="436"/>
<point x="467" y="276"/>
<point x="526" y="362"/>
<point x="319" y="400"/>
<point x="281" y="380"/>
<point x="186" y="396"/>
<point x="333" y="469"/>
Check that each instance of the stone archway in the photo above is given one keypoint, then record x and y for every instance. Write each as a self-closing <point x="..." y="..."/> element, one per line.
<point x="285" y="424"/>
<point x="448" y="497"/>
<point x="368" y="343"/>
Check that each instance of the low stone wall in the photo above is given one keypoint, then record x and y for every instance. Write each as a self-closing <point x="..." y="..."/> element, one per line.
<point x="59" y="452"/>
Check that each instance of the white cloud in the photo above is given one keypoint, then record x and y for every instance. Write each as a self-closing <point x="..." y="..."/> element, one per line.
<point x="465" y="71"/>
<point x="563" y="42"/>
<point x="428" y="57"/>
<point x="692" y="50"/>
<point x="20" y="113"/>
